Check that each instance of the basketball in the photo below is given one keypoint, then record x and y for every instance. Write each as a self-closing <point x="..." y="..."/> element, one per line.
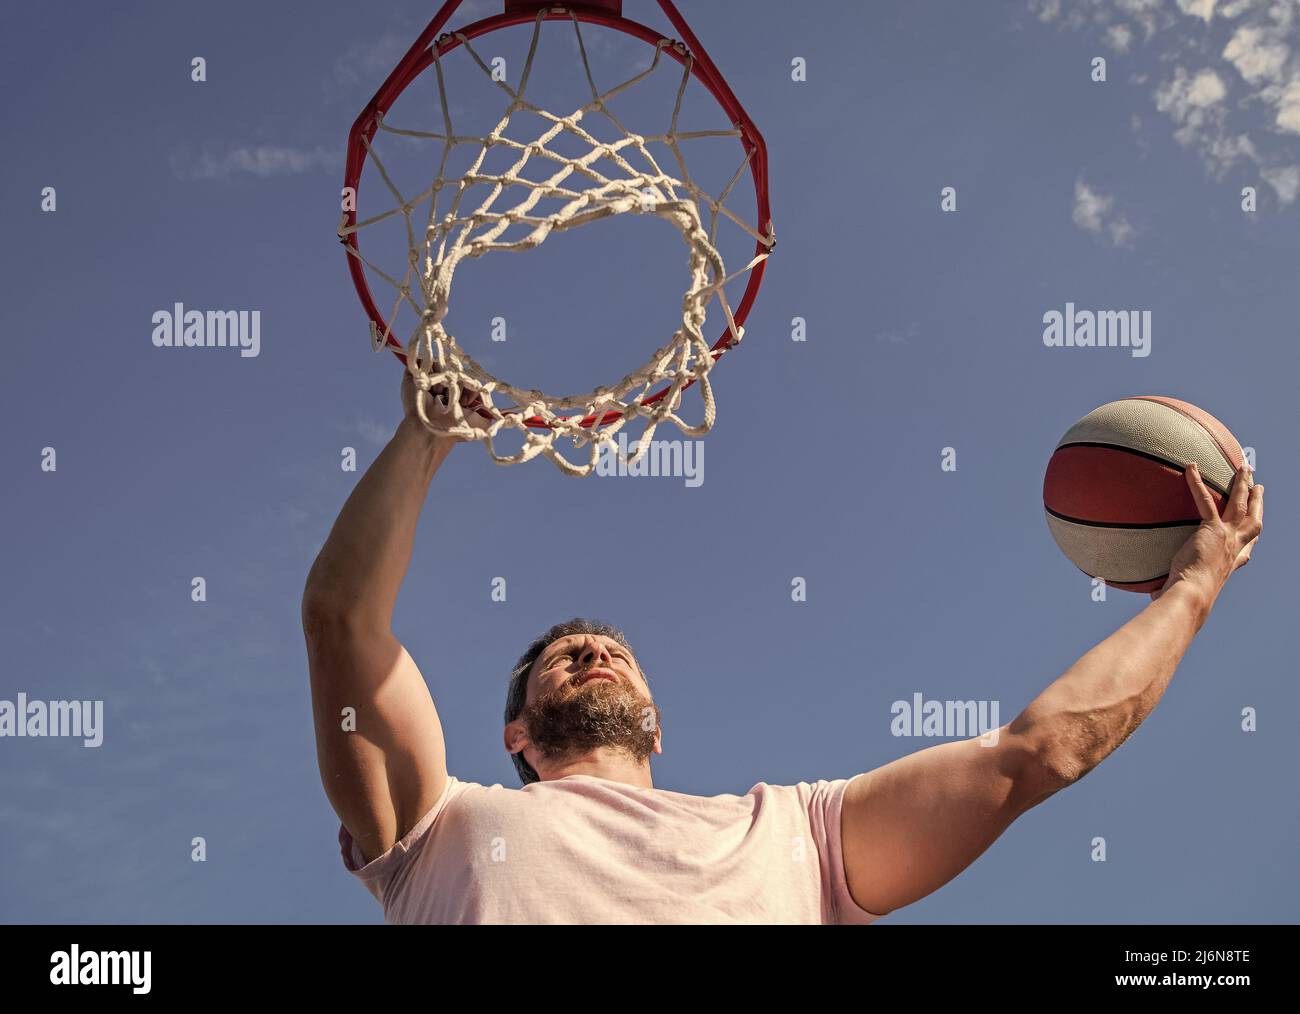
<point x="1115" y="496"/>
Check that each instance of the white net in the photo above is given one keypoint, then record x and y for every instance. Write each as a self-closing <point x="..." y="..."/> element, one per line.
<point x="444" y="227"/>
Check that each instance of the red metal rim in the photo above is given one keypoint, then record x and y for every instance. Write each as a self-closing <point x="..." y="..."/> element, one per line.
<point x="606" y="14"/>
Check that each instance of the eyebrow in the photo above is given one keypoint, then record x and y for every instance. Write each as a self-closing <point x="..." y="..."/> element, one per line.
<point x="549" y="655"/>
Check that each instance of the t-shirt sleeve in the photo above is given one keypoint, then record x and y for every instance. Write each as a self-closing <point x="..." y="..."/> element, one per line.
<point x="824" y="809"/>
<point x="380" y="874"/>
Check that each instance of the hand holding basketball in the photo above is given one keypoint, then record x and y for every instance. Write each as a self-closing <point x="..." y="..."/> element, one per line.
<point x="1220" y="544"/>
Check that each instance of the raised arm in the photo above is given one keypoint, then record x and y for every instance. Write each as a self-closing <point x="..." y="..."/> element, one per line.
<point x="384" y="776"/>
<point x="912" y="825"/>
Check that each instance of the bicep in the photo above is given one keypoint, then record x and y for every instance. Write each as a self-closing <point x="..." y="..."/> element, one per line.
<point x="379" y="742"/>
<point x="911" y="826"/>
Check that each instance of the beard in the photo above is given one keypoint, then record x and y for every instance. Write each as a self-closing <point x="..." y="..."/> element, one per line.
<point x="569" y="722"/>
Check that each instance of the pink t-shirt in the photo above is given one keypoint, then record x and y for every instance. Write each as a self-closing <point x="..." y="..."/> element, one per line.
<point x="582" y="849"/>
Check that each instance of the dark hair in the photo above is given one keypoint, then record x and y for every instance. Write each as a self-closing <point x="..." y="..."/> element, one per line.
<point x="517" y="694"/>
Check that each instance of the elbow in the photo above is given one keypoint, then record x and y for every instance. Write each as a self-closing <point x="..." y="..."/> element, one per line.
<point x="1054" y="774"/>
<point x="321" y="613"/>
<point x="1042" y="771"/>
<point x="1049" y="755"/>
<point x="1058" y="768"/>
<point x="315" y="605"/>
<point x="315" y="620"/>
<point x="328" y="619"/>
<point x="316" y="602"/>
<point x="323" y="607"/>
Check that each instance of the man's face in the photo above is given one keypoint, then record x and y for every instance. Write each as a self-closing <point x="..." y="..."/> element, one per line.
<point x="586" y="691"/>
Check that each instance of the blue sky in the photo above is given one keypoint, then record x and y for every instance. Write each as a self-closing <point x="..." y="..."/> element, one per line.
<point x="924" y="332"/>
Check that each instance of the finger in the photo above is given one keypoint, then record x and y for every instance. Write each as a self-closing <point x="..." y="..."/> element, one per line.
<point x="1239" y="492"/>
<point x="1205" y="504"/>
<point x="1243" y="557"/>
<point x="1256" y="508"/>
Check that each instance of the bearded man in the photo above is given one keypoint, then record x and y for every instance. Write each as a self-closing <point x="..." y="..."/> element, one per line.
<point x="590" y="839"/>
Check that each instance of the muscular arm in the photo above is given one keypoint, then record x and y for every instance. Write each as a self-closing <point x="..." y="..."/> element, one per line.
<point x="382" y="777"/>
<point x="911" y="826"/>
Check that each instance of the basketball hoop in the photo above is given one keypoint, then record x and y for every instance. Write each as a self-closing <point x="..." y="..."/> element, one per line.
<point x="447" y="234"/>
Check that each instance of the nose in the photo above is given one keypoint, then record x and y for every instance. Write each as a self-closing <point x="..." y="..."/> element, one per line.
<point x="594" y="653"/>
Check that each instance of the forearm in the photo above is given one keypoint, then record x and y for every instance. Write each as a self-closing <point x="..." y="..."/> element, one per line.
<point x="1087" y="713"/>
<point x="362" y="564"/>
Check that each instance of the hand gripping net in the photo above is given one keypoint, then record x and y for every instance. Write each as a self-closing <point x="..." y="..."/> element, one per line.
<point x="441" y="368"/>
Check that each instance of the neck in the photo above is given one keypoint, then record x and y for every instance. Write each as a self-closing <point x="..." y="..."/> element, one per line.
<point x="611" y="764"/>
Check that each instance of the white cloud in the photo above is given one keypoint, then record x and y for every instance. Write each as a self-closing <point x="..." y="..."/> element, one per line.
<point x="369" y="62"/>
<point x="261" y="160"/>
<point x="1120" y="37"/>
<point x="474" y="10"/>
<point x="1071" y="15"/>
<point x="1203" y="9"/>
<point x="1264" y="55"/>
<point x="1285" y="182"/>
<point x="1223" y="151"/>
<point x="1095" y="212"/>
<point x="1139" y="133"/>
<point x="1045" y="10"/>
<point x="1288" y="107"/>
<point x="1256" y="54"/>
<point x="374" y="432"/>
<point x="1212" y="96"/>
<point x="1143" y="12"/>
<point x="1121" y="233"/>
<point x="1235" y="8"/>
<point x="1194" y="103"/>
<point x="1185" y="95"/>
<point x="1089" y="206"/>
<point x="1206" y="89"/>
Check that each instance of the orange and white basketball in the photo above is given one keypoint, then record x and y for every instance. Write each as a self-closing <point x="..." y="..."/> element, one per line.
<point x="1115" y="495"/>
